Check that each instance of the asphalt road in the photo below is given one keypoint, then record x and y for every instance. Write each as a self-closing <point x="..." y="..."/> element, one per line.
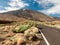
<point x="51" y="34"/>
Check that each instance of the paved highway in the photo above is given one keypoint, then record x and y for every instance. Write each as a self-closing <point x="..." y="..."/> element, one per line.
<point x="51" y="34"/>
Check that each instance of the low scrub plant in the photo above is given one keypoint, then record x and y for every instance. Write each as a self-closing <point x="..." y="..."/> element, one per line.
<point x="24" y="26"/>
<point x="21" y="28"/>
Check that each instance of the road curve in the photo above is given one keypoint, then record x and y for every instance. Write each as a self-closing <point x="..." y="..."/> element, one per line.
<point x="51" y="34"/>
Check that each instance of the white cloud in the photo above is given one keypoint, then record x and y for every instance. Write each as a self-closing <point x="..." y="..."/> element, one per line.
<point x="2" y="11"/>
<point x="44" y="3"/>
<point x="55" y="9"/>
<point x="20" y="3"/>
<point x="11" y="8"/>
<point x="15" y="5"/>
<point x="52" y="10"/>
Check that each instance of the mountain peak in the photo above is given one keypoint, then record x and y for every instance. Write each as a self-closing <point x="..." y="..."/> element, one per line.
<point x="27" y="14"/>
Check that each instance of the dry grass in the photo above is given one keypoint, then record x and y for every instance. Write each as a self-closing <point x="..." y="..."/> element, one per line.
<point x="55" y="24"/>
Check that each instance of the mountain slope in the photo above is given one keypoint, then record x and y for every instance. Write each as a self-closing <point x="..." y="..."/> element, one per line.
<point x="27" y="14"/>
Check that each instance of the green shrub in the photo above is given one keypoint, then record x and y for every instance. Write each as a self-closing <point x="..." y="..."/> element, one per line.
<point x="21" y="28"/>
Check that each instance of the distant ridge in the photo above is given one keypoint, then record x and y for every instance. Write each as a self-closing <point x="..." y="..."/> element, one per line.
<point x="26" y="14"/>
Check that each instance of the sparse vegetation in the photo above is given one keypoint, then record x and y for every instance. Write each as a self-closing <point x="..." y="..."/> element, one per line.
<point x="55" y="24"/>
<point x="19" y="38"/>
<point x="21" y="28"/>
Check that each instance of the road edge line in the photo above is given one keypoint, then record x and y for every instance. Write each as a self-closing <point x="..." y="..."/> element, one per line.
<point x="45" y="39"/>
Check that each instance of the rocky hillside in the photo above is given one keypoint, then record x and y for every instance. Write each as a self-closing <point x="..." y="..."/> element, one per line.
<point x="27" y="14"/>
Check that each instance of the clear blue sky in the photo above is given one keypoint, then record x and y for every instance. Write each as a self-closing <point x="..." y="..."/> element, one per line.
<point x="49" y="7"/>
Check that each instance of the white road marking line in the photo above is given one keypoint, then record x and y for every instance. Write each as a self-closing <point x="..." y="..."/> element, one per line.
<point x="45" y="39"/>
